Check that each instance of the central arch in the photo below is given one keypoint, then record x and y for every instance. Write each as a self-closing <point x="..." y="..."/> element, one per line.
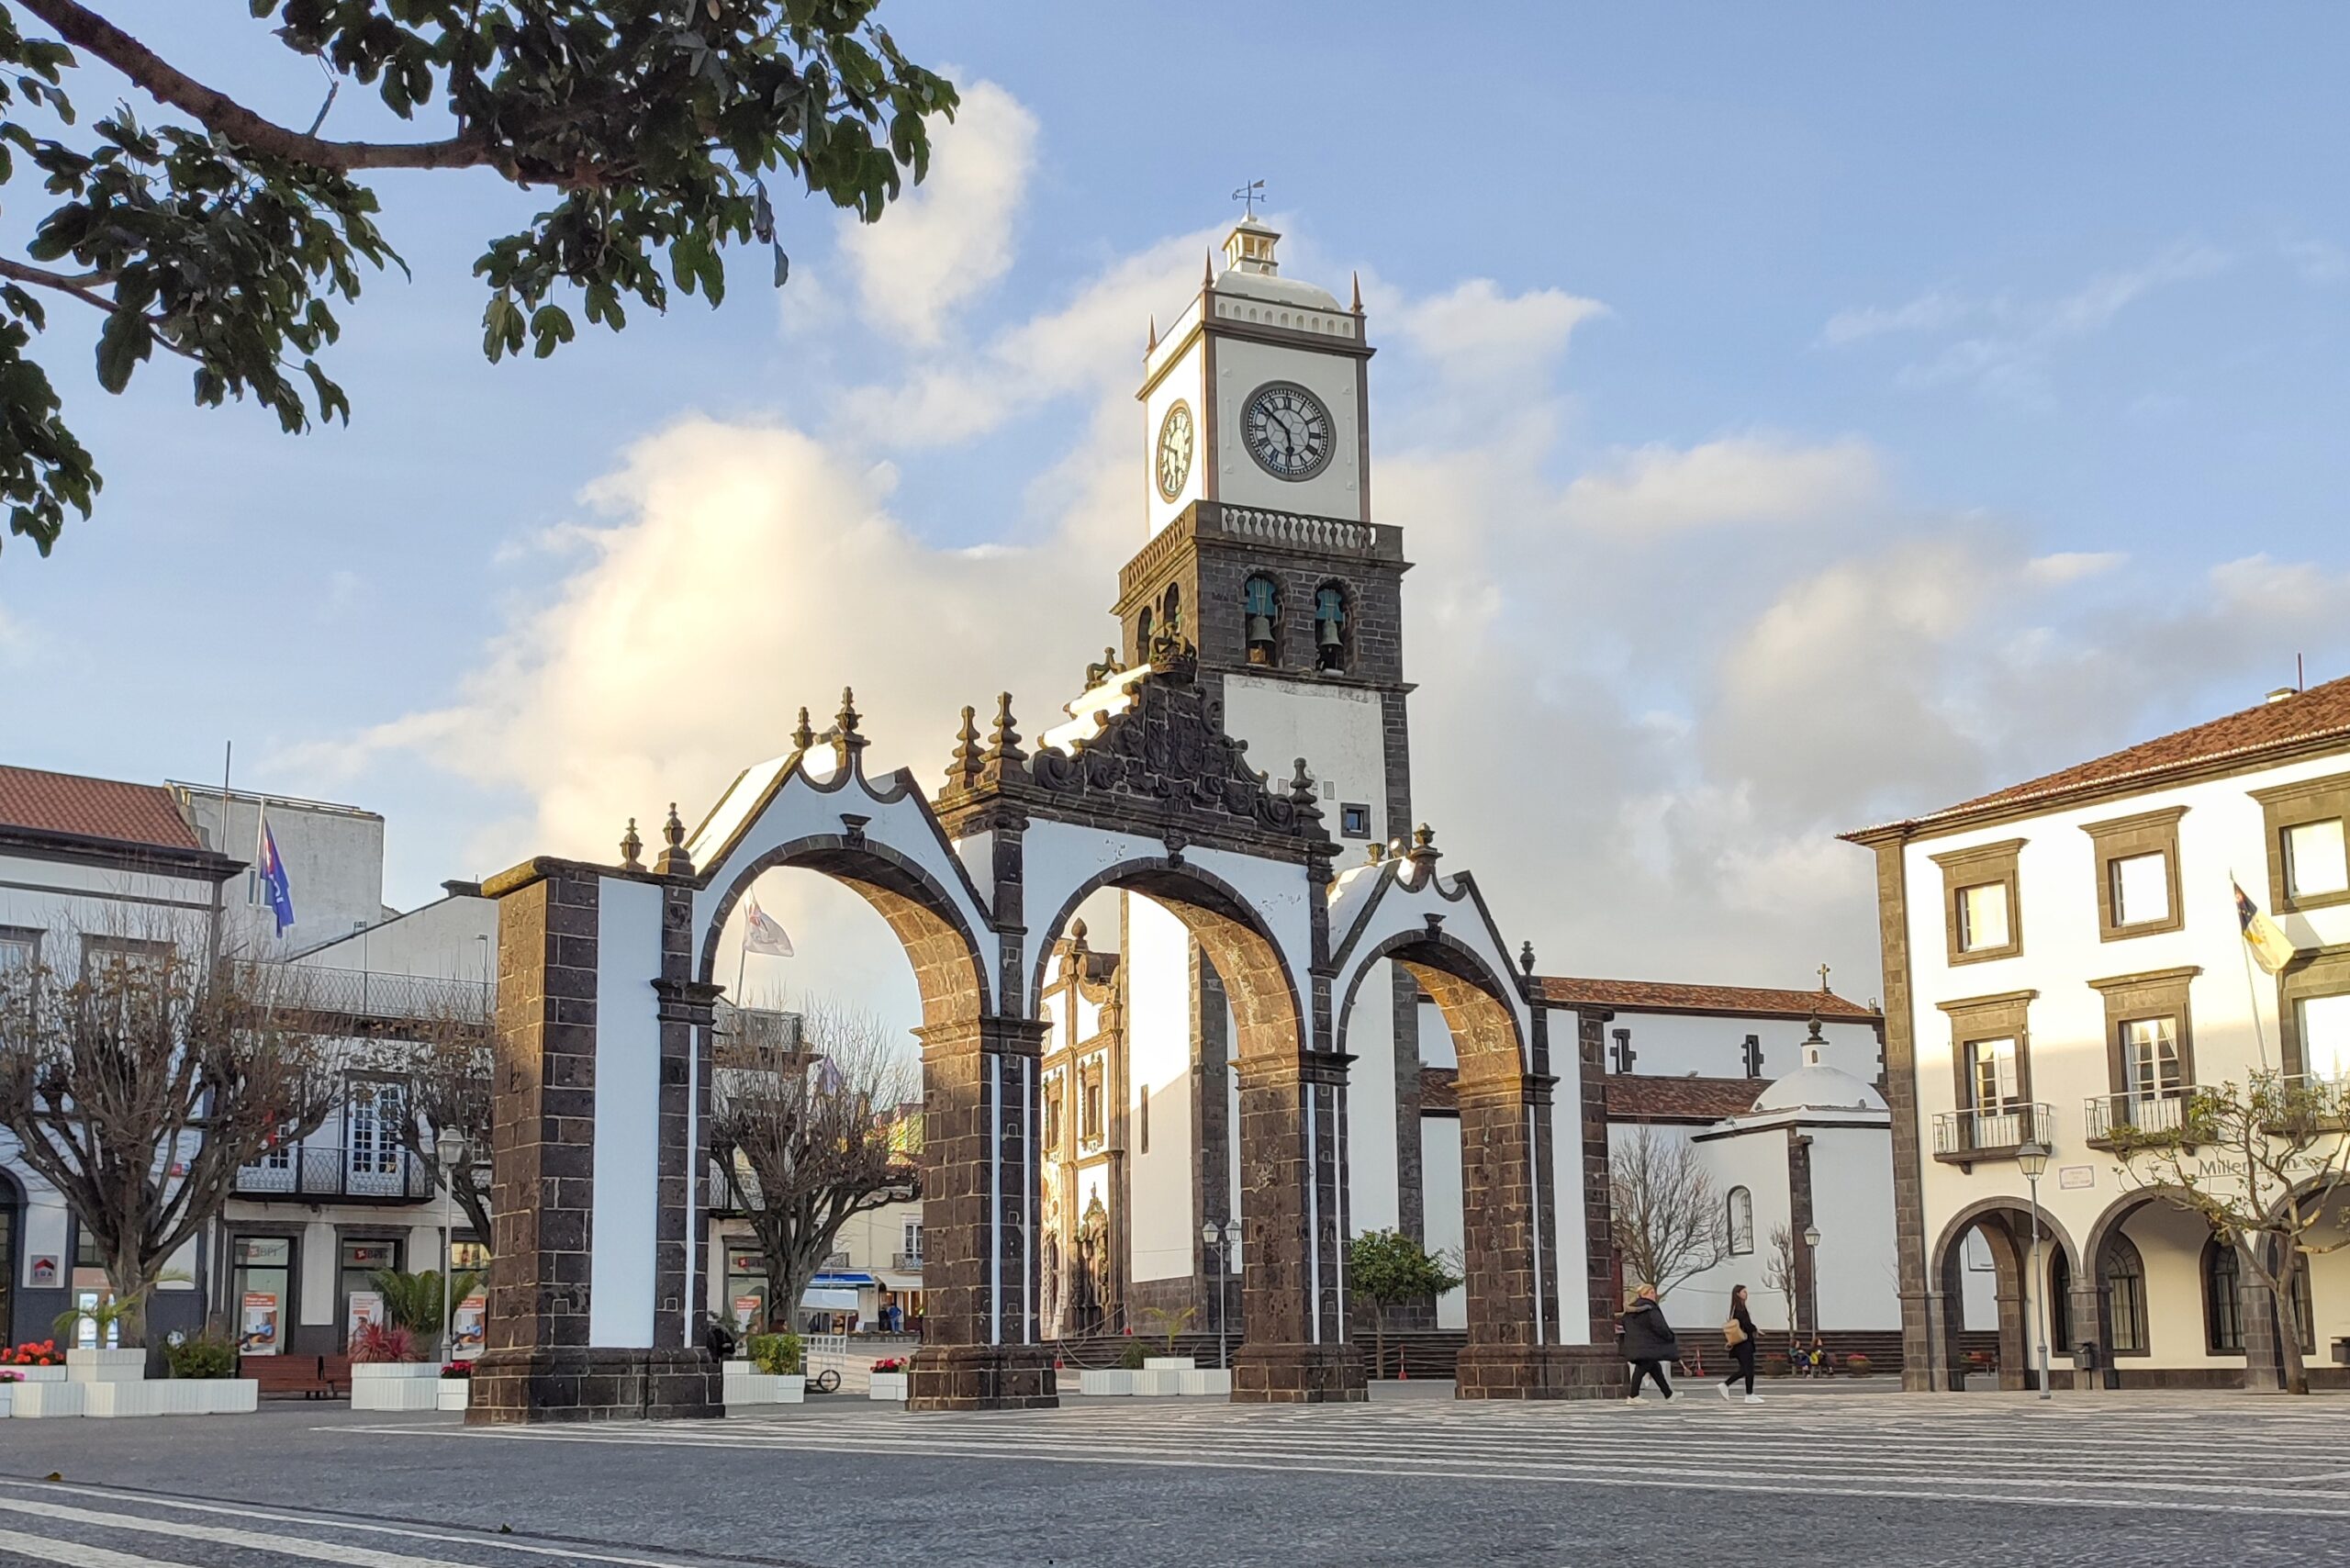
<point x="2006" y="1226"/>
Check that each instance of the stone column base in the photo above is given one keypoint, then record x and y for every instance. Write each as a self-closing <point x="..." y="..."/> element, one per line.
<point x="515" y="1388"/>
<point x="1298" y="1374"/>
<point x="1539" y="1371"/>
<point x="980" y="1377"/>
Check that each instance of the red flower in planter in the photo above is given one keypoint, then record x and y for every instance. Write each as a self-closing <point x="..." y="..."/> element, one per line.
<point x="890" y="1364"/>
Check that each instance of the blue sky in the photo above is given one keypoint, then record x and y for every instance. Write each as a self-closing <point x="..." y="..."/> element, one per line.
<point x="1801" y="414"/>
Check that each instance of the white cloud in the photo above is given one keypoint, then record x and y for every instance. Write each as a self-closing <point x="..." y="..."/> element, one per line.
<point x="2073" y="566"/>
<point x="950" y="237"/>
<point x="2318" y="261"/>
<point x="1479" y="334"/>
<point x="1755" y="479"/>
<point x="1928" y="312"/>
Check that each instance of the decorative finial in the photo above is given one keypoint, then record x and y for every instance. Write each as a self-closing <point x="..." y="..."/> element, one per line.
<point x="1376" y="851"/>
<point x="1154" y="333"/>
<point x="1077" y="935"/>
<point x="674" y="861"/>
<point x="1397" y="849"/>
<point x="1304" y="798"/>
<point x="1207" y="271"/>
<point x="845" y="739"/>
<point x="1358" y="306"/>
<point x="631" y="847"/>
<point x="1424" y="850"/>
<point x="1004" y="754"/>
<point x="1526" y="960"/>
<point x="964" y="771"/>
<point x="802" y="737"/>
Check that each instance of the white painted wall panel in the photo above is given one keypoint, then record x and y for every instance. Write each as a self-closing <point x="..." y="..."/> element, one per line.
<point x="628" y="1106"/>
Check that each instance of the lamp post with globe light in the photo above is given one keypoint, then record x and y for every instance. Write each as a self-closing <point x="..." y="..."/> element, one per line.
<point x="2032" y="1161"/>
<point x="451" y="1150"/>
<point x="1219" y="1241"/>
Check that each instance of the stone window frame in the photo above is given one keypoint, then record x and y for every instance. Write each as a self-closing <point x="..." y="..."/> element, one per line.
<point x="2296" y="805"/>
<point x="1975" y="867"/>
<point x="2004" y="1016"/>
<point x="2321" y="972"/>
<point x="1348" y="814"/>
<point x="2135" y="998"/>
<point x="2120" y="1247"/>
<point x="1740" y="1218"/>
<point x="2121" y="838"/>
<point x="2207" y="1277"/>
<point x="28" y="936"/>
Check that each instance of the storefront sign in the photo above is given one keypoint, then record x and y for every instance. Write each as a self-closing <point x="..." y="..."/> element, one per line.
<point x="44" y="1272"/>
<point x="257" y="1325"/>
<point x="365" y="1307"/>
<point x="2076" y="1175"/>
<point x="467" y="1327"/>
<point x="745" y="1308"/>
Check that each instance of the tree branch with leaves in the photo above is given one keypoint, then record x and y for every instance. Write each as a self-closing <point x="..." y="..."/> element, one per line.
<point x="1665" y="1210"/>
<point x="228" y="238"/>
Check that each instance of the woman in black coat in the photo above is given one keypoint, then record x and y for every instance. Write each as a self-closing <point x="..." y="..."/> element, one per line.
<point x="1648" y="1343"/>
<point x="1743" y="1351"/>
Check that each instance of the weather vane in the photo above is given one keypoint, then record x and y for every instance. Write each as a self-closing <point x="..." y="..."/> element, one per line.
<point x="1249" y="195"/>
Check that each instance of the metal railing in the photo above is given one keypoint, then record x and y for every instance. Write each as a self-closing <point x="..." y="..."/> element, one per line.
<point x="363" y="993"/>
<point x="2154" y="1112"/>
<point x="1994" y="1133"/>
<point x="906" y="1262"/>
<point x="311" y="1172"/>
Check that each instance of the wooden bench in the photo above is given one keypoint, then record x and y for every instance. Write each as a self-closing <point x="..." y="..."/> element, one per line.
<point x="311" y="1377"/>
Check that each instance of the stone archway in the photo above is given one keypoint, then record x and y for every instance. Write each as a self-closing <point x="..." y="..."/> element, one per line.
<point x="2006" y="1231"/>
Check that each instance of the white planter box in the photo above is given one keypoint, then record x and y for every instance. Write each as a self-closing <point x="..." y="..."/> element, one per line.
<point x="1105" y="1382"/>
<point x="1152" y="1384"/>
<point x="106" y="1366"/>
<point x="40" y="1374"/>
<point x="7" y="1396"/>
<point x="396" y="1385"/>
<point x="1168" y="1363"/>
<point x="171" y="1396"/>
<point x="748" y="1387"/>
<point x="33" y="1401"/>
<point x="887" y="1385"/>
<point x="230" y="1395"/>
<point x="1209" y="1384"/>
<point x="455" y="1392"/>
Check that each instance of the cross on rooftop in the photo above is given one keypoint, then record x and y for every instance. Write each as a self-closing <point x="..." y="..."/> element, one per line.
<point x="1249" y="195"/>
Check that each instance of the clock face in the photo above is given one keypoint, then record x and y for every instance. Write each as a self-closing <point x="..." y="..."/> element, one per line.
<point x="1174" y="450"/>
<point x="1288" y="430"/>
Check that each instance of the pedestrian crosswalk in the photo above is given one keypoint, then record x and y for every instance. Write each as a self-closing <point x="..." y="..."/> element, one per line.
<point x="2203" y="1453"/>
<point x="101" y="1527"/>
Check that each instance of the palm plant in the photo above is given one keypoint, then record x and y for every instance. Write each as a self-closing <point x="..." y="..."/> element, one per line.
<point x="414" y="1302"/>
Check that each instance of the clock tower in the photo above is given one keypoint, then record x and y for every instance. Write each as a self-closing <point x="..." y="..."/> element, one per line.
<point x="1263" y="554"/>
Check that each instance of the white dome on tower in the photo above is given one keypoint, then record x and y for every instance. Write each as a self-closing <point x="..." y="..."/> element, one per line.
<point x="1251" y="271"/>
<point x="1816" y="1086"/>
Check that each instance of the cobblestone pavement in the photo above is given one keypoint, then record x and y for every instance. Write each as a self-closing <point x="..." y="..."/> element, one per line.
<point x="1809" y="1476"/>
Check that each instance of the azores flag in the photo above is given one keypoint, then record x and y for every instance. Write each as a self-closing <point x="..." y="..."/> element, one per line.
<point x="272" y="880"/>
<point x="2271" y="948"/>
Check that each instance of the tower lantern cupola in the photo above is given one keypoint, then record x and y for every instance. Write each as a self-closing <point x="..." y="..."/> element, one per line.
<point x="1249" y="247"/>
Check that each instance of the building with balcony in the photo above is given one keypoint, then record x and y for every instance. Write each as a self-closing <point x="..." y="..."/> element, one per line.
<point x="2065" y="963"/>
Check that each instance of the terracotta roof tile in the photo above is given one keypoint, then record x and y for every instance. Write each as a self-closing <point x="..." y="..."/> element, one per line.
<point x="1653" y="996"/>
<point x="2319" y="713"/>
<point x="92" y="808"/>
<point x="1638" y="1097"/>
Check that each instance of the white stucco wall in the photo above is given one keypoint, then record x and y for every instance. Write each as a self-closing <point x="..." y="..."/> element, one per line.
<point x="1161" y="1222"/>
<point x="1373" y="1199"/>
<point x="1337" y="730"/>
<point x="628" y="1115"/>
<point x="1241" y="367"/>
<point x="1443" y="1218"/>
<point x="450" y="938"/>
<point x="334" y="858"/>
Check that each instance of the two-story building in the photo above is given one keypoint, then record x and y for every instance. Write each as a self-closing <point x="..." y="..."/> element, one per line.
<point x="2065" y="957"/>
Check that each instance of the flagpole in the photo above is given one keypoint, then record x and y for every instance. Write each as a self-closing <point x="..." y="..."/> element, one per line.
<point x="2251" y="986"/>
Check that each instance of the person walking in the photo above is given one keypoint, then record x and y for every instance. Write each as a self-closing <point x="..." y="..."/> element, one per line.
<point x="1740" y="1332"/>
<point x="1649" y="1343"/>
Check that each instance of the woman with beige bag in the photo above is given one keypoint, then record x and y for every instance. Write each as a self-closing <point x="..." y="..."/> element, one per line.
<point x="1740" y="1334"/>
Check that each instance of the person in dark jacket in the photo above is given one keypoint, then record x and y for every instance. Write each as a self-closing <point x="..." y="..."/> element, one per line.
<point x="1648" y="1343"/>
<point x="1743" y="1351"/>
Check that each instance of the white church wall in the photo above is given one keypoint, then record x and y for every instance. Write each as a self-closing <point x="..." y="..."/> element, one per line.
<point x="1241" y="367"/>
<point x="1179" y="385"/>
<point x="1851" y="1201"/>
<point x="1671" y="1045"/>
<point x="1566" y="1263"/>
<point x="1160" y="1224"/>
<point x="1441" y="1210"/>
<point x="1337" y="730"/>
<point x="628" y="1114"/>
<point x="1373" y="1200"/>
<point x="1436" y="1037"/>
<point x="1758" y="1162"/>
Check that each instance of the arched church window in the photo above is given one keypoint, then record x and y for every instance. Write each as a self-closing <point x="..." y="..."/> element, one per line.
<point x="1330" y="627"/>
<point x="2125" y="1295"/>
<point x="1262" y="606"/>
<point x="2060" y="1300"/>
<point x="1142" y="635"/>
<point x="1741" y="1222"/>
<point x="1170" y="614"/>
<point x="2222" y="1299"/>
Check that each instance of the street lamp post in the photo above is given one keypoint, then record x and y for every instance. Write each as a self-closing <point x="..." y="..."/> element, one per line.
<point x="1219" y="1241"/>
<point x="2032" y="1161"/>
<point x="450" y="1150"/>
<point x="1809" y="1285"/>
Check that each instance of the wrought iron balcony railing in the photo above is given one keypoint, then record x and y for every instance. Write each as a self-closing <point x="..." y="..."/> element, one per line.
<point x="2161" y="1115"/>
<point x="906" y="1262"/>
<point x="1962" y="1137"/>
<point x="362" y="994"/>
<point x="312" y="1172"/>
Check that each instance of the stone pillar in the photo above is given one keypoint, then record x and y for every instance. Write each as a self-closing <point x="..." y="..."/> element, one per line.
<point x="576" y="1329"/>
<point x="1598" y="1213"/>
<point x="1512" y="1274"/>
<point x="979" y="1181"/>
<point x="1293" y="1163"/>
<point x="2088" y="1307"/>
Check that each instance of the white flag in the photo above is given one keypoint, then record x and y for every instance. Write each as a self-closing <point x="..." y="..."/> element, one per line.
<point x="762" y="933"/>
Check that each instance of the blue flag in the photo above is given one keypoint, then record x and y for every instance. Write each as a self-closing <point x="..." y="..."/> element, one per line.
<point x="272" y="880"/>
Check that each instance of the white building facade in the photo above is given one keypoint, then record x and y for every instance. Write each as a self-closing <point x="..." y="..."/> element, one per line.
<point x="2065" y="957"/>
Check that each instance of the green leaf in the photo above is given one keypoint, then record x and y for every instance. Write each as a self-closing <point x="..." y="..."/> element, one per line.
<point x="126" y="339"/>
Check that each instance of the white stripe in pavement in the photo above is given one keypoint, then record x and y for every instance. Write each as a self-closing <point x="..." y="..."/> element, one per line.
<point x="73" y="1554"/>
<point x="456" y="1538"/>
<point x="219" y="1535"/>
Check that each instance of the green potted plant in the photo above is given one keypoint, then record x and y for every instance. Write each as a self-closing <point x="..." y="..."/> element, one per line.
<point x="772" y="1371"/>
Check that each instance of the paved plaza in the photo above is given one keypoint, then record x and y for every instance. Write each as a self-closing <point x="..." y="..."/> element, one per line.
<point x="1811" y="1476"/>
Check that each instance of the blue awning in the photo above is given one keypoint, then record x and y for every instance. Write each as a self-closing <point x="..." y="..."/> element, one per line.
<point x="844" y="1281"/>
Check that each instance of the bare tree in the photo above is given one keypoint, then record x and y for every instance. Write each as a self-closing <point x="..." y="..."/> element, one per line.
<point x="1779" y="1275"/>
<point x="138" y="1084"/>
<point x="2260" y="1163"/>
<point x="443" y="1070"/>
<point x="1666" y="1213"/>
<point x="805" y="1139"/>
